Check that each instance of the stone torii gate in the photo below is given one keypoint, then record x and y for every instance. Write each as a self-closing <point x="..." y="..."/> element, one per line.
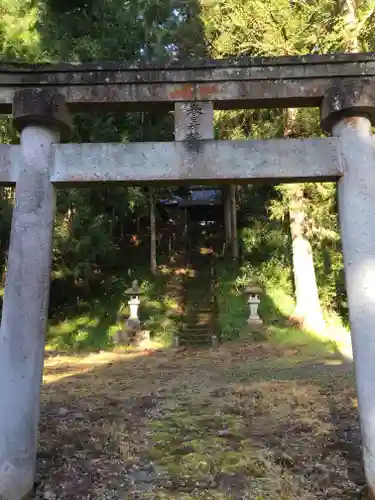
<point x="41" y="97"/>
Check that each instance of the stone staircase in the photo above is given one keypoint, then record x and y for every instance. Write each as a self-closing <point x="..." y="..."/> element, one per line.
<point x="198" y="325"/>
<point x="193" y="285"/>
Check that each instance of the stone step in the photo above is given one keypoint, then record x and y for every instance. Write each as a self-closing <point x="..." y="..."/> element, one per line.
<point x="198" y="305"/>
<point x="195" y="333"/>
<point x="191" y="310"/>
<point x="204" y="343"/>
<point x="195" y="324"/>
<point x="207" y="339"/>
<point x="194" y="329"/>
<point x="197" y="315"/>
<point x="197" y="320"/>
<point x="198" y="295"/>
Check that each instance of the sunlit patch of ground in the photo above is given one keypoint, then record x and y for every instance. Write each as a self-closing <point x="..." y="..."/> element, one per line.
<point x="62" y="366"/>
<point x="243" y="421"/>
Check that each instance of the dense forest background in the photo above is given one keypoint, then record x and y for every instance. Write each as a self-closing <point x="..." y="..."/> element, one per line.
<point x="279" y="225"/>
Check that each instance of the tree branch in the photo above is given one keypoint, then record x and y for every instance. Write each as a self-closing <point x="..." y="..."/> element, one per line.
<point x="282" y="28"/>
<point x="368" y="17"/>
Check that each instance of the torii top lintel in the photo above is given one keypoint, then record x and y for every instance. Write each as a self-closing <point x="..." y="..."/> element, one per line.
<point x="298" y="81"/>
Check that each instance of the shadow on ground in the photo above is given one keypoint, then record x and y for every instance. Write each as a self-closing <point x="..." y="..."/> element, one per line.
<point x="243" y="421"/>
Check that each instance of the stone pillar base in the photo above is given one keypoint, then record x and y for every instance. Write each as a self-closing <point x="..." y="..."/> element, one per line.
<point x="29" y="495"/>
<point x="255" y="322"/>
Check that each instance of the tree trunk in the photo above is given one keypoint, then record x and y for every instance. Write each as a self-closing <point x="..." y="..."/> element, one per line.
<point x="308" y="311"/>
<point x="153" y="233"/>
<point x="69" y="219"/>
<point x="351" y="24"/>
<point x="87" y="275"/>
<point x="227" y="216"/>
<point x="233" y="210"/>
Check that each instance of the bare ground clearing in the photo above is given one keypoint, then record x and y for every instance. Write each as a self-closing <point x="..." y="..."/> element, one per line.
<point x="244" y="421"/>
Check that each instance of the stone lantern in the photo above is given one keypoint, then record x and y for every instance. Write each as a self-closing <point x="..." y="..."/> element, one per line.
<point x="134" y="293"/>
<point x="254" y="292"/>
<point x="133" y="324"/>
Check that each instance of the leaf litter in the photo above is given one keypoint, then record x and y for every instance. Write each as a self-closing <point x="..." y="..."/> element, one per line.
<point x="245" y="421"/>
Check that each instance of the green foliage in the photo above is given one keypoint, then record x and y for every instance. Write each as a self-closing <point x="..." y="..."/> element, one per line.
<point x="267" y="263"/>
<point x="266" y="248"/>
<point x="90" y="322"/>
<point x="159" y="310"/>
<point x="275" y="27"/>
<point x="85" y="321"/>
<point x="155" y="30"/>
<point x="231" y="301"/>
<point x="93" y="225"/>
<point x="19" y="38"/>
<point x="270" y="27"/>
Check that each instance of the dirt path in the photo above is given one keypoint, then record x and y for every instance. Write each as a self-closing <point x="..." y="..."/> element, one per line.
<point x="241" y="422"/>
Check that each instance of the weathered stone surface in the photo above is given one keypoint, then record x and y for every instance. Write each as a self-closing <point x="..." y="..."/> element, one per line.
<point x="356" y="192"/>
<point x="28" y="73"/>
<point x="35" y="106"/>
<point x="254" y="301"/>
<point x="235" y="161"/>
<point x="194" y="121"/>
<point x="348" y="98"/>
<point x="25" y="310"/>
<point x="40" y="116"/>
<point x="230" y="83"/>
<point x="198" y="161"/>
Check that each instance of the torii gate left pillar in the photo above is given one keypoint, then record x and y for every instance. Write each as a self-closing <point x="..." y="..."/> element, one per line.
<point x="41" y="116"/>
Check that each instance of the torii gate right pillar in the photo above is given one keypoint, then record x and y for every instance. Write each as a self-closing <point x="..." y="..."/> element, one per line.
<point x="347" y="111"/>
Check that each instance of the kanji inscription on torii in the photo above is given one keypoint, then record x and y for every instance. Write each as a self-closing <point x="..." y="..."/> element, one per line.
<point x="193" y="121"/>
<point x="193" y="112"/>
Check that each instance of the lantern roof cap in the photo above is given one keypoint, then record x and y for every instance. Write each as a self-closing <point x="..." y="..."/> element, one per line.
<point x="254" y="289"/>
<point x="134" y="289"/>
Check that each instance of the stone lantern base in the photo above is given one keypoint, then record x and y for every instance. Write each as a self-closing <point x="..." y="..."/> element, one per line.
<point x="131" y="333"/>
<point x="132" y="328"/>
<point x="255" y="322"/>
